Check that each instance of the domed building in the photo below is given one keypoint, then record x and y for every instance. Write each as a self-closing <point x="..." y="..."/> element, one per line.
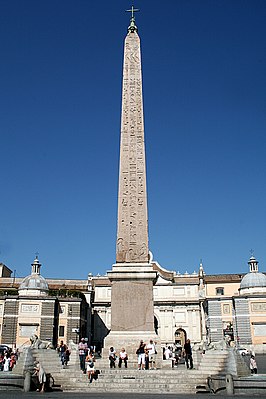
<point x="34" y="284"/>
<point x="250" y="308"/>
<point x="254" y="282"/>
<point x="30" y="306"/>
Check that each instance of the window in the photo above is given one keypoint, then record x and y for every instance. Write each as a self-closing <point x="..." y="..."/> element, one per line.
<point x="61" y="331"/>
<point x="220" y="291"/>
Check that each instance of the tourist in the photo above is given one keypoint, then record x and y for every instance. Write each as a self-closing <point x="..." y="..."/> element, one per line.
<point x="146" y="359"/>
<point x="90" y="360"/>
<point x="6" y="362"/>
<point x="1" y="362"/>
<point x="83" y="351"/>
<point x="13" y="361"/>
<point x="141" y="355"/>
<point x="62" y="349"/>
<point x="188" y="354"/>
<point x="112" y="357"/>
<point x="67" y="356"/>
<point x="152" y="354"/>
<point x="39" y="371"/>
<point x="253" y="365"/>
<point x="168" y="353"/>
<point x="122" y="358"/>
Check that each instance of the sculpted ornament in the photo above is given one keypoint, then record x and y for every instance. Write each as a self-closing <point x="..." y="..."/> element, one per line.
<point x="130" y="253"/>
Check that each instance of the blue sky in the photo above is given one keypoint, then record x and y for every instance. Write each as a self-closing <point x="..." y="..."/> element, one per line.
<point x="204" y="85"/>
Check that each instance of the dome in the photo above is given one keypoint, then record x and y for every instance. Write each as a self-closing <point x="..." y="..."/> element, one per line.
<point x="251" y="280"/>
<point x="254" y="281"/>
<point x="34" y="284"/>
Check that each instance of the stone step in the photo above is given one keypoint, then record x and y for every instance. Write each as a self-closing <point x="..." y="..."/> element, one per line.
<point x="138" y="381"/>
<point x="177" y="380"/>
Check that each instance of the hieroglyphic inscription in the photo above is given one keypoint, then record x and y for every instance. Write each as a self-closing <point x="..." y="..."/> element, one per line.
<point x="132" y="231"/>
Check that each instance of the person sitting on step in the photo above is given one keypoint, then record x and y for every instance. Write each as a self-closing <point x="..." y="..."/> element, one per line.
<point x="122" y="358"/>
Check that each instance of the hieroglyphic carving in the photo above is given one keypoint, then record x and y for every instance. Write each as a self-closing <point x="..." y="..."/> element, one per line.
<point x="132" y="234"/>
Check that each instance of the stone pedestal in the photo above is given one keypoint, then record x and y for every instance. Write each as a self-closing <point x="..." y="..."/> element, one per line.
<point x="131" y="307"/>
<point x="132" y="297"/>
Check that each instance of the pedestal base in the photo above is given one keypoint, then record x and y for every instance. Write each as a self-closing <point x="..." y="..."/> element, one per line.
<point x="132" y="297"/>
<point x="132" y="308"/>
<point x="130" y="341"/>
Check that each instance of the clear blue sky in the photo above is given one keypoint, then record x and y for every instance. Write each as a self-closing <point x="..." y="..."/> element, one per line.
<point x="204" y="81"/>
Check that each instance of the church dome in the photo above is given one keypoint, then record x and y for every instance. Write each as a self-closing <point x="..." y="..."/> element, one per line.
<point x="34" y="284"/>
<point x="254" y="281"/>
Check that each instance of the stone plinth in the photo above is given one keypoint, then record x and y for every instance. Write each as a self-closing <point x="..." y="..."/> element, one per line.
<point x="130" y="341"/>
<point x="131" y="306"/>
<point x="132" y="297"/>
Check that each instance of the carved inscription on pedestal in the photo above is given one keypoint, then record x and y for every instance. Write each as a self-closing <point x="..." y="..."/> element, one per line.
<point x="132" y="229"/>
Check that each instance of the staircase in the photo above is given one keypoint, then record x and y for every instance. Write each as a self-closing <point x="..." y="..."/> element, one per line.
<point x="213" y="362"/>
<point x="177" y="380"/>
<point x="141" y="381"/>
<point x="225" y="361"/>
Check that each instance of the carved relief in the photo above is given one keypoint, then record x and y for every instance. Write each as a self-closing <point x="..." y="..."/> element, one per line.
<point x="132" y="242"/>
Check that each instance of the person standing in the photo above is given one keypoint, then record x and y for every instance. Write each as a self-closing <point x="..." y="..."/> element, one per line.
<point x="141" y="355"/>
<point x="40" y="373"/>
<point x="146" y="359"/>
<point x="112" y="357"/>
<point x="1" y="362"/>
<point x="188" y="354"/>
<point x="6" y="362"/>
<point x="152" y="354"/>
<point x="90" y="360"/>
<point x="62" y="349"/>
<point x="253" y="365"/>
<point x="83" y="351"/>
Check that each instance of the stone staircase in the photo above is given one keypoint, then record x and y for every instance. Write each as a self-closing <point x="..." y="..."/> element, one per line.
<point x="213" y="362"/>
<point x="225" y="361"/>
<point x="126" y="380"/>
<point x="175" y="380"/>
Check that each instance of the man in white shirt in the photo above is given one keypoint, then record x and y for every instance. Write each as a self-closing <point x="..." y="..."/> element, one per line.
<point x="152" y="354"/>
<point x="168" y="353"/>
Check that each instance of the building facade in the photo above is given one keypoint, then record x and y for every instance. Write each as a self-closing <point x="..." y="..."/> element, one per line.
<point x="196" y="306"/>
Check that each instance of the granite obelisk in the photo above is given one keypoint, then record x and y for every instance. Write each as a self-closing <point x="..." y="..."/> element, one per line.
<point x="132" y="276"/>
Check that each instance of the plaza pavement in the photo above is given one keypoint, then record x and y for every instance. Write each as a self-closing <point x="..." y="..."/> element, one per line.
<point x="63" y="395"/>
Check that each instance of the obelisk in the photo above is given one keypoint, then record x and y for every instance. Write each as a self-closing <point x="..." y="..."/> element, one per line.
<point x="132" y="276"/>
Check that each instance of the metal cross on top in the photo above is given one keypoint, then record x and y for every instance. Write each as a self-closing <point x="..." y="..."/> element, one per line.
<point x="132" y="27"/>
<point x="132" y="10"/>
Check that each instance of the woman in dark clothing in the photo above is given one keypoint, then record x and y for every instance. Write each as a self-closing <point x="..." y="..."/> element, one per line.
<point x="141" y="355"/>
<point x="188" y="354"/>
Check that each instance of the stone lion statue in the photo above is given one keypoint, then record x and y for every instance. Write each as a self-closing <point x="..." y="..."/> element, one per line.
<point x="37" y="343"/>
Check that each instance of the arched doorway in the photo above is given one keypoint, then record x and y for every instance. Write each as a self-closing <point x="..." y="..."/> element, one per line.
<point x="180" y="337"/>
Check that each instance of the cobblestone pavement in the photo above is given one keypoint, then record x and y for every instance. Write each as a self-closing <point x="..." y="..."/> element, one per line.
<point x="70" y="395"/>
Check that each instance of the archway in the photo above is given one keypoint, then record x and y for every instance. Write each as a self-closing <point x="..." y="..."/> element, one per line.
<point x="180" y="337"/>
